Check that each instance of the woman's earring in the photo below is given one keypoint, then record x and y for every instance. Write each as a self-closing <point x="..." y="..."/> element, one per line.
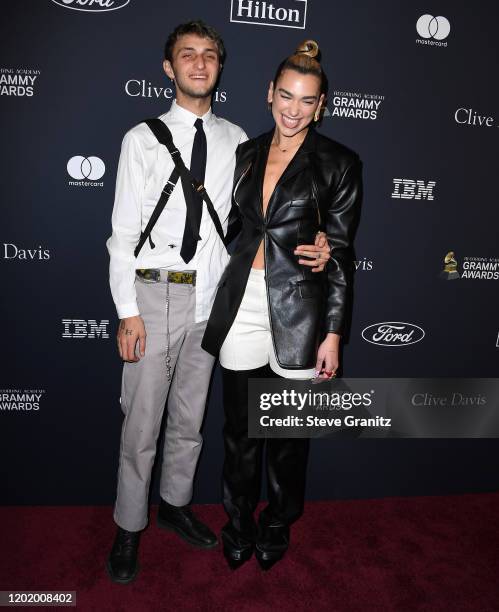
<point x="269" y="106"/>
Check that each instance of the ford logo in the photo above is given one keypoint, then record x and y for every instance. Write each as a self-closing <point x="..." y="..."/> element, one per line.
<point x="393" y="333"/>
<point x="92" y="6"/>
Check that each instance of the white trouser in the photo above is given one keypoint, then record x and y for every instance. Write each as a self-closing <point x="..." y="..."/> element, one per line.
<point x="248" y="344"/>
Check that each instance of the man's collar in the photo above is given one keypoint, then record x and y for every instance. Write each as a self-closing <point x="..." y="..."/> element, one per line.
<point x="186" y="116"/>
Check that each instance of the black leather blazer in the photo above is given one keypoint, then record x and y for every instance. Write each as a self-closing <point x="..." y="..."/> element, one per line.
<point x="320" y="189"/>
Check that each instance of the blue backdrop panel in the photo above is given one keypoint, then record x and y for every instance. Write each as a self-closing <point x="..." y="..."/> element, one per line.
<point x="413" y="93"/>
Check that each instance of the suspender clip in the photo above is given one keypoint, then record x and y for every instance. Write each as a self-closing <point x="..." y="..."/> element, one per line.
<point x="168" y="188"/>
<point x="198" y="187"/>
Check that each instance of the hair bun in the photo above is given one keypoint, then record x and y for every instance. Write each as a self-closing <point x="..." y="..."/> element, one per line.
<point x="308" y="47"/>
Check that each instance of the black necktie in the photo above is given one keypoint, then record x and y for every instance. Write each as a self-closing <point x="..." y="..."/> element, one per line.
<point x="195" y="203"/>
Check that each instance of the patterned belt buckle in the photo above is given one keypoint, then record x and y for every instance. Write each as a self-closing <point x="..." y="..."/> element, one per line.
<point x="182" y="278"/>
<point x="152" y="275"/>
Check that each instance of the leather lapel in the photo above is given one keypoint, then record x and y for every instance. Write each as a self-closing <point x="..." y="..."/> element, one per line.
<point x="301" y="159"/>
<point x="260" y="165"/>
<point x="252" y="181"/>
<point x="298" y="163"/>
<point x="258" y="161"/>
<point x="244" y="176"/>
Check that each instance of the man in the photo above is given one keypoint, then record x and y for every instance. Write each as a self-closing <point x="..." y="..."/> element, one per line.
<point x="164" y="296"/>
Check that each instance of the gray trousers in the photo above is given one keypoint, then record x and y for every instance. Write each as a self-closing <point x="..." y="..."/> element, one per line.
<point x="145" y="389"/>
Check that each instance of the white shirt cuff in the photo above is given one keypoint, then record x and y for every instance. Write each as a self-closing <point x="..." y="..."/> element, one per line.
<point x="127" y="310"/>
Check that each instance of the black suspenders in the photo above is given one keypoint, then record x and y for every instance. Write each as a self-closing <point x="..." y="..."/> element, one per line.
<point x="189" y="186"/>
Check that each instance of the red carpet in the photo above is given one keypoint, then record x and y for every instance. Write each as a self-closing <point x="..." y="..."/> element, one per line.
<point x="419" y="553"/>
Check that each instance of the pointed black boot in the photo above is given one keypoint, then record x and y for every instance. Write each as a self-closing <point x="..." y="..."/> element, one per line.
<point x="286" y="477"/>
<point x="242" y="468"/>
<point x="238" y="545"/>
<point x="272" y="542"/>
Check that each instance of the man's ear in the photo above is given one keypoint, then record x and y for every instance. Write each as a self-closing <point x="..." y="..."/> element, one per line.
<point x="168" y="68"/>
<point x="270" y="93"/>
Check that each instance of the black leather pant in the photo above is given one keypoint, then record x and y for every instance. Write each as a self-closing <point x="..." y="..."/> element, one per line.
<point x="285" y="462"/>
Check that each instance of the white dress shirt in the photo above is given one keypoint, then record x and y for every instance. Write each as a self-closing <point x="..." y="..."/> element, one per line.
<point x="144" y="168"/>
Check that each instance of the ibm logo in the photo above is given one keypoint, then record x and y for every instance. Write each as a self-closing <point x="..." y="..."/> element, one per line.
<point x="79" y="328"/>
<point x="407" y="189"/>
<point x="288" y="13"/>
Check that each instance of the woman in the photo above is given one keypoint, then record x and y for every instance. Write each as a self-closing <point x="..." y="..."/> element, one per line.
<point x="271" y="315"/>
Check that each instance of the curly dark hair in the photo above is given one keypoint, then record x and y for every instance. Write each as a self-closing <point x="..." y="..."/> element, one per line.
<point x="195" y="27"/>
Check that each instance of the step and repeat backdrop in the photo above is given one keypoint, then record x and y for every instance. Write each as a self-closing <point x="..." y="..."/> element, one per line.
<point x="412" y="89"/>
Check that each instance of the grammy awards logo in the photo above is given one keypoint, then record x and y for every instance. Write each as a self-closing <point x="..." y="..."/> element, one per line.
<point x="21" y="400"/>
<point x="18" y="81"/>
<point x="473" y="268"/>
<point x="450" y="267"/>
<point x="354" y="105"/>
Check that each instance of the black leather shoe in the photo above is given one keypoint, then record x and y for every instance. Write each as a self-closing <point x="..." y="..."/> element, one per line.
<point x="183" y="521"/>
<point x="122" y="563"/>
<point x="272" y="543"/>
<point x="238" y="547"/>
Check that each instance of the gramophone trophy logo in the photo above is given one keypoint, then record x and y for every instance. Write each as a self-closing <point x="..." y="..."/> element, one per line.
<point x="450" y="267"/>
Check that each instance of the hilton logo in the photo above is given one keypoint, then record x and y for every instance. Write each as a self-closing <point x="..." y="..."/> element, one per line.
<point x="288" y="13"/>
<point x="407" y="189"/>
<point x="79" y="328"/>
